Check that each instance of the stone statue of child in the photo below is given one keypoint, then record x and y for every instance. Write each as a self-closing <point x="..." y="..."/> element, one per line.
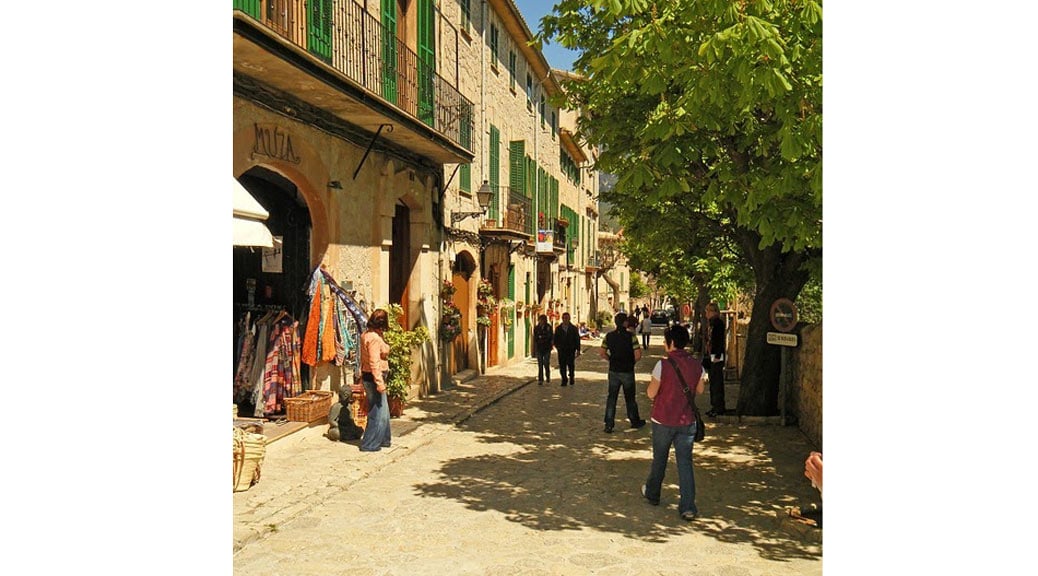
<point x="341" y="426"/>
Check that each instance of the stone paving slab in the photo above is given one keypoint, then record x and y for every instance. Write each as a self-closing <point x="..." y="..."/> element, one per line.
<point x="504" y="477"/>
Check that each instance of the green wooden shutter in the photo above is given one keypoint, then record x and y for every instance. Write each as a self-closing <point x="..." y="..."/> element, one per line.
<point x="426" y="60"/>
<point x="389" y="50"/>
<point x="465" y="178"/>
<point x="511" y="69"/>
<point x="319" y="29"/>
<point x="495" y="171"/>
<point x="250" y="7"/>
<point x="517" y="165"/>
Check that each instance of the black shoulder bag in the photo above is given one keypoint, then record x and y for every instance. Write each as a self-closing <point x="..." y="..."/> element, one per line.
<point x="700" y="425"/>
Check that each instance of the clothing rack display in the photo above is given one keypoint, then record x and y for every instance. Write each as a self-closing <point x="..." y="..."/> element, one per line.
<point x="268" y="360"/>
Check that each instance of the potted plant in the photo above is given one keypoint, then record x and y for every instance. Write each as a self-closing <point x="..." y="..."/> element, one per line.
<point x="401" y="343"/>
<point x="450" y="316"/>
<point x="507" y="309"/>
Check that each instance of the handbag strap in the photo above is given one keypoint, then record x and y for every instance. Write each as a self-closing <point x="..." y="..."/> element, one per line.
<point x="684" y="388"/>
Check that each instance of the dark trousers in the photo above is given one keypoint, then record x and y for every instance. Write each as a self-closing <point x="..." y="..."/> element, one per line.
<point x="645" y="339"/>
<point x="566" y="362"/>
<point x="618" y="380"/>
<point x="716" y="374"/>
<point x="544" y="366"/>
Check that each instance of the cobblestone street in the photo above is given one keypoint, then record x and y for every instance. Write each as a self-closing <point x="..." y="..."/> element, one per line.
<point x="528" y="485"/>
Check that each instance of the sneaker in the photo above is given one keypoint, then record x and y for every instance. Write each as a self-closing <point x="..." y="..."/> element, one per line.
<point x="608" y="429"/>
<point x="688" y="516"/>
<point x="638" y="424"/>
<point x="653" y="502"/>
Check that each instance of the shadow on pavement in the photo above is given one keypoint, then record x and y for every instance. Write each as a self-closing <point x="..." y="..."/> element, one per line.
<point x="567" y="474"/>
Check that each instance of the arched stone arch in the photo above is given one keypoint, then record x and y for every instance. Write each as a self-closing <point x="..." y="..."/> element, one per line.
<point x="310" y="177"/>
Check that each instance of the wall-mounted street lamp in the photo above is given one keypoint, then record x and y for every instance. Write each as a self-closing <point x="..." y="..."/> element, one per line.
<point x="483" y="196"/>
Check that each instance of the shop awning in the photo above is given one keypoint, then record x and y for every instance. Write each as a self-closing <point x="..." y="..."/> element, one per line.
<point x="249" y="214"/>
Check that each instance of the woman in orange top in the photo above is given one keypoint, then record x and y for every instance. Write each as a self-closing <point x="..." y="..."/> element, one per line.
<point x="374" y="366"/>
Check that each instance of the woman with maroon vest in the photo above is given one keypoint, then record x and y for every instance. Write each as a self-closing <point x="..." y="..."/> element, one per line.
<point x="673" y="422"/>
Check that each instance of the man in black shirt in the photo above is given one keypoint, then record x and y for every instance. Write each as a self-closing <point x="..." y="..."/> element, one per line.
<point x="713" y="359"/>
<point x="542" y="342"/>
<point x="567" y="344"/>
<point x="621" y="348"/>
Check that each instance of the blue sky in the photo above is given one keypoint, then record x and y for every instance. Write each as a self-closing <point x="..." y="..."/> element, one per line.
<point x="532" y="11"/>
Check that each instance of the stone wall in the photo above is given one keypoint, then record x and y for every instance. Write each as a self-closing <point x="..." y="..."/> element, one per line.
<point x="806" y="394"/>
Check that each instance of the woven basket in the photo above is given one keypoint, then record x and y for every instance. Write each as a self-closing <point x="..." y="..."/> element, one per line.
<point x="310" y="406"/>
<point x="249" y="450"/>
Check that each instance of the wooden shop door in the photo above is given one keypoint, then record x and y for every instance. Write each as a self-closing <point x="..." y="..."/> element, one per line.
<point x="460" y="346"/>
<point x="492" y="341"/>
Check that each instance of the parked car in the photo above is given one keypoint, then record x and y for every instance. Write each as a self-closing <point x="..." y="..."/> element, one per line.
<point x="660" y="318"/>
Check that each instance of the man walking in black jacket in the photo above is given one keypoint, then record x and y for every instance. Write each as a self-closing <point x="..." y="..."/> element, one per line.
<point x="567" y="345"/>
<point x="621" y="348"/>
<point x="713" y="359"/>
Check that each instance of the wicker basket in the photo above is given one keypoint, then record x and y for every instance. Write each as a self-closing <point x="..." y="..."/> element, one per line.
<point x="249" y="450"/>
<point x="309" y="406"/>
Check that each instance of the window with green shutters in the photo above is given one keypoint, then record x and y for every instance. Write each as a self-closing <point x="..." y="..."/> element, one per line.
<point x="493" y="44"/>
<point x="250" y="7"/>
<point x="465" y="178"/>
<point x="389" y="50"/>
<point x="495" y="172"/>
<point x="319" y="29"/>
<point x="466" y="13"/>
<point x="511" y="69"/>
<point x="517" y="165"/>
<point x="426" y="60"/>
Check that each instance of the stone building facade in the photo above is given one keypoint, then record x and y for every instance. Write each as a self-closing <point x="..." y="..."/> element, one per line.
<point x="527" y="155"/>
<point x="367" y="130"/>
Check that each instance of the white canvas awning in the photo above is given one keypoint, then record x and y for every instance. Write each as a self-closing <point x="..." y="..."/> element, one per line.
<point x="249" y="214"/>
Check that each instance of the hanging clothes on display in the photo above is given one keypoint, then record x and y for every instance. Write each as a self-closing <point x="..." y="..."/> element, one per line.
<point x="268" y="368"/>
<point x="281" y="372"/>
<point x="334" y="324"/>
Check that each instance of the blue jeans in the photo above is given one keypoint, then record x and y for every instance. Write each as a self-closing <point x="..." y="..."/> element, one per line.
<point x="616" y="380"/>
<point x="544" y="366"/>
<point x="376" y="432"/>
<point x="662" y="438"/>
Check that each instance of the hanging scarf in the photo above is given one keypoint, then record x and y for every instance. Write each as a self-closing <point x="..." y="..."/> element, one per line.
<point x="312" y="339"/>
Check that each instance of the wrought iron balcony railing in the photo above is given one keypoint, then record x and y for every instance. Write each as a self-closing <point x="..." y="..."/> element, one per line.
<point x="345" y="36"/>
<point x="516" y="213"/>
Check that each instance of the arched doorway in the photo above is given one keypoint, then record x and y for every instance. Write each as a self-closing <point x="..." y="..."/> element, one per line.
<point x="272" y="279"/>
<point x="279" y="276"/>
<point x="464" y="266"/>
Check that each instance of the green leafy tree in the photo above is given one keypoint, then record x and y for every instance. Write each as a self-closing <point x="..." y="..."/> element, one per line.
<point x="637" y="288"/>
<point x="714" y="109"/>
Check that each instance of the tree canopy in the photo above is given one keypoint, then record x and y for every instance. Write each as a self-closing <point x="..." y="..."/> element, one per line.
<point x="709" y="112"/>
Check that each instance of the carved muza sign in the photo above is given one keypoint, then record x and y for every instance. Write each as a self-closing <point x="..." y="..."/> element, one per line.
<point x="274" y="143"/>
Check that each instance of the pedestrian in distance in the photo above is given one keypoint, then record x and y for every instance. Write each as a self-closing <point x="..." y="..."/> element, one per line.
<point x="567" y="345"/>
<point x="542" y="342"/>
<point x="673" y="420"/>
<point x="374" y="366"/>
<point x="713" y="359"/>
<point x="621" y="348"/>
<point x="646" y="330"/>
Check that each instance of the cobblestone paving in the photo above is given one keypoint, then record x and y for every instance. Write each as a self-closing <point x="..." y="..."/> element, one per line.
<point x="527" y="485"/>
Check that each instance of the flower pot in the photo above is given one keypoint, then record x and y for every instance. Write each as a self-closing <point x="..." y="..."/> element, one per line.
<point x="396" y="407"/>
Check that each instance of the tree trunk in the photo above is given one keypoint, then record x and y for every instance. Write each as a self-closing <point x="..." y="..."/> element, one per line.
<point x="778" y="275"/>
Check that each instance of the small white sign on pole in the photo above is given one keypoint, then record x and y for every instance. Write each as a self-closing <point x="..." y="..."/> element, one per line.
<point x="782" y="339"/>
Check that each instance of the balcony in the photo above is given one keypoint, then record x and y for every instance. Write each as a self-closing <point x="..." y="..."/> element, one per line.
<point x="515" y="220"/>
<point x="339" y="58"/>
